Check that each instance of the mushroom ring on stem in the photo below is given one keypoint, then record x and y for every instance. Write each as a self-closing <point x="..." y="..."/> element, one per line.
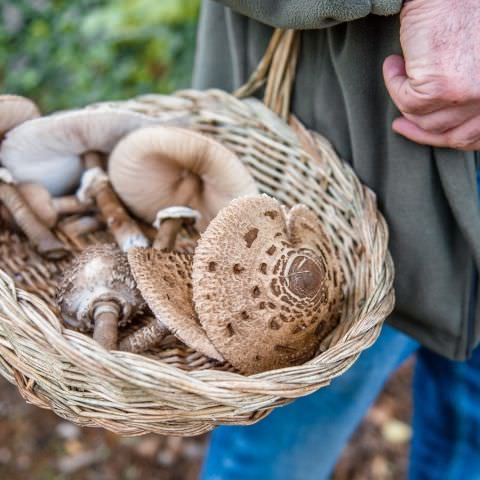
<point x="25" y="218"/>
<point x="168" y="223"/>
<point x="48" y="150"/>
<point x="158" y="167"/>
<point x="99" y="293"/>
<point x="164" y="279"/>
<point x="266" y="284"/>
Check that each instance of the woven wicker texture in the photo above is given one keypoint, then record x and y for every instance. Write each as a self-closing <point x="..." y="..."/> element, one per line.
<point x="174" y="390"/>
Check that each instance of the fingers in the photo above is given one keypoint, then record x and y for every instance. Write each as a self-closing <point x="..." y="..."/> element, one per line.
<point x="407" y="99"/>
<point x="465" y="137"/>
<point x="446" y="119"/>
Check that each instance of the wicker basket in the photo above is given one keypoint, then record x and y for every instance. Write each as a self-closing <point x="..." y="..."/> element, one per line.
<point x="174" y="390"/>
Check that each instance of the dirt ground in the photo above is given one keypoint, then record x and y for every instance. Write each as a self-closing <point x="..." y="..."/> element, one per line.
<point x="37" y="445"/>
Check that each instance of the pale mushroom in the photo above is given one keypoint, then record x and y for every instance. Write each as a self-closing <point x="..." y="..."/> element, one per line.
<point x="99" y="293"/>
<point x="27" y="221"/>
<point x="48" y="150"/>
<point x="266" y="284"/>
<point x="176" y="167"/>
<point x="48" y="208"/>
<point x="164" y="280"/>
<point x="95" y="185"/>
<point x="15" y="110"/>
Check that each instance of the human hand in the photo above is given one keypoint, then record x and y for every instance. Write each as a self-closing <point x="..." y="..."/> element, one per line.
<point x="436" y="84"/>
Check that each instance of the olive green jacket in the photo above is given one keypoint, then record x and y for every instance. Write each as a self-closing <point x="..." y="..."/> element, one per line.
<point x="428" y="195"/>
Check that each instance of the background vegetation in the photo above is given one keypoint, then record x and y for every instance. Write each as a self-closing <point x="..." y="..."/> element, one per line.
<point x="65" y="53"/>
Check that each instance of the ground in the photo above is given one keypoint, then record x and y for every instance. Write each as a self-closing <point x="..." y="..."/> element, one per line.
<point x="37" y="445"/>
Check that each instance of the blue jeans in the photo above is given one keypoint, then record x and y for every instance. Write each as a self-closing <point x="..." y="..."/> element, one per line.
<point x="303" y="440"/>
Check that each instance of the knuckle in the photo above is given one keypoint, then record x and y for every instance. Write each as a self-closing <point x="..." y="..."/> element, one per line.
<point x="459" y="142"/>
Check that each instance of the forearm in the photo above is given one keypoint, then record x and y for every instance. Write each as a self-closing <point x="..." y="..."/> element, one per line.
<point x="311" y="14"/>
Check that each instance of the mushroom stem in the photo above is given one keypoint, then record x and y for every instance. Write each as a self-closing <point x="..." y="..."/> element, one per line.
<point x="144" y="338"/>
<point x="80" y="226"/>
<point x="105" y="332"/>
<point x="70" y="205"/>
<point x="95" y="184"/>
<point x="167" y="234"/>
<point x="168" y="228"/>
<point x="37" y="233"/>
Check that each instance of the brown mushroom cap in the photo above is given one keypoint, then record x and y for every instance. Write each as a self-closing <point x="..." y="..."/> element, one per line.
<point x="15" y="110"/>
<point x="266" y="284"/>
<point x="164" y="280"/>
<point x="100" y="273"/>
<point x="165" y="161"/>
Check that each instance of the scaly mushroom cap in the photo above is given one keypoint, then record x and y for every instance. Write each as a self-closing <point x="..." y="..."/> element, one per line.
<point x="15" y="110"/>
<point x="47" y="150"/>
<point x="100" y="273"/>
<point x="266" y="284"/>
<point x="40" y="201"/>
<point x="165" y="282"/>
<point x="165" y="161"/>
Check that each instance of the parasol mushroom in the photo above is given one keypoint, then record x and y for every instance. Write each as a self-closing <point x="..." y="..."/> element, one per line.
<point x="164" y="279"/>
<point x="24" y="217"/>
<point x="266" y="284"/>
<point x="48" y="150"/>
<point x="95" y="185"/>
<point x="176" y="167"/>
<point x="99" y="293"/>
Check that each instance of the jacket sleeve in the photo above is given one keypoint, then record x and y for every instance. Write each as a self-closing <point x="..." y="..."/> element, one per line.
<point x="311" y="14"/>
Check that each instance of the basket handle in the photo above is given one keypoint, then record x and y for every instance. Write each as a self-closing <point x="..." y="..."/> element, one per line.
<point x="276" y="70"/>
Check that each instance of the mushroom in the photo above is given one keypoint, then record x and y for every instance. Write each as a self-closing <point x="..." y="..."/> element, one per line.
<point x="24" y="217"/>
<point x="176" y="167"/>
<point x="15" y="110"/>
<point x="99" y="293"/>
<point x="48" y="208"/>
<point x="164" y="279"/>
<point x="95" y="185"/>
<point x="48" y="150"/>
<point x="266" y="284"/>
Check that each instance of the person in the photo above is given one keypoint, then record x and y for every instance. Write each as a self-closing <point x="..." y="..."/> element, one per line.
<point x="395" y="87"/>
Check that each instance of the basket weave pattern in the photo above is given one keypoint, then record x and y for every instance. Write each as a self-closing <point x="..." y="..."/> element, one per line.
<point x="175" y="390"/>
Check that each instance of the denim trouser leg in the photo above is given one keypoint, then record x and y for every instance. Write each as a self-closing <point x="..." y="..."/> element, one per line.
<point x="446" y="420"/>
<point x="302" y="441"/>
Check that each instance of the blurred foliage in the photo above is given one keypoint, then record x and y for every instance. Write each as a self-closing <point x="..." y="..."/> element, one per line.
<point x="65" y="53"/>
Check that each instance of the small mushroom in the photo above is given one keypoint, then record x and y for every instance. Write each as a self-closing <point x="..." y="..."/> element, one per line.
<point x="24" y="217"/>
<point x="95" y="185"/>
<point x="47" y="208"/>
<point x="15" y="110"/>
<point x="176" y="167"/>
<point x="164" y="279"/>
<point x="99" y="293"/>
<point x="48" y="150"/>
<point x="266" y="284"/>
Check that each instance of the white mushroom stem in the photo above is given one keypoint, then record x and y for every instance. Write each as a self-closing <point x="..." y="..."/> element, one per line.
<point x="37" y="233"/>
<point x="169" y="222"/>
<point x="106" y="316"/>
<point x="144" y="338"/>
<point x="96" y="185"/>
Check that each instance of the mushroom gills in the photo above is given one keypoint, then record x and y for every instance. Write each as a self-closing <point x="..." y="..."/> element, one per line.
<point x="164" y="279"/>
